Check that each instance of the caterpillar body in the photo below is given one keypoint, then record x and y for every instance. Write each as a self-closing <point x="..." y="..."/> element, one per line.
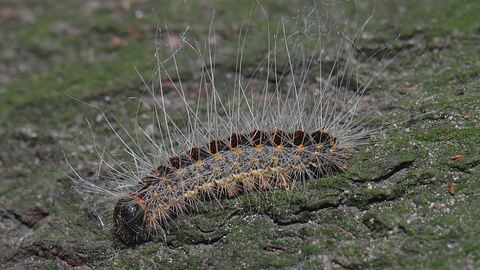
<point x="275" y="136"/>
<point x="224" y="169"/>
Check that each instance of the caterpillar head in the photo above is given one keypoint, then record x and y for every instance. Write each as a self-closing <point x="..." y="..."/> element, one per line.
<point x="129" y="221"/>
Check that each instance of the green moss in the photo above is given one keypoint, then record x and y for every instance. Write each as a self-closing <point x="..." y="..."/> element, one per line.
<point x="51" y="267"/>
<point x="316" y="247"/>
<point x="390" y="209"/>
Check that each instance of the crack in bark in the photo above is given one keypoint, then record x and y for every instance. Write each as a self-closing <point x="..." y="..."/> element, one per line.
<point x="396" y="169"/>
<point x="303" y="213"/>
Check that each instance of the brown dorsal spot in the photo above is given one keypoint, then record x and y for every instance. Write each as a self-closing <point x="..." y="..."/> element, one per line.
<point x="197" y="154"/>
<point x="194" y="154"/>
<point x="279" y="137"/>
<point x="320" y="137"/>
<point x="237" y="140"/>
<point x="234" y="140"/>
<point x="175" y="161"/>
<point x="216" y="146"/>
<point x="257" y="137"/>
<point x="300" y="138"/>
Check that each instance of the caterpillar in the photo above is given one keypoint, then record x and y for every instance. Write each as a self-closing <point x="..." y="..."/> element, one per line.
<point x="252" y="139"/>
<point x="224" y="169"/>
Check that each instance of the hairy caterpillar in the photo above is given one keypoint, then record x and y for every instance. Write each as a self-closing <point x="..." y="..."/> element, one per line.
<point x="289" y="131"/>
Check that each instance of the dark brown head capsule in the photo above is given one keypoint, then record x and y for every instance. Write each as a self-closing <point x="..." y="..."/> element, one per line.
<point x="129" y="221"/>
